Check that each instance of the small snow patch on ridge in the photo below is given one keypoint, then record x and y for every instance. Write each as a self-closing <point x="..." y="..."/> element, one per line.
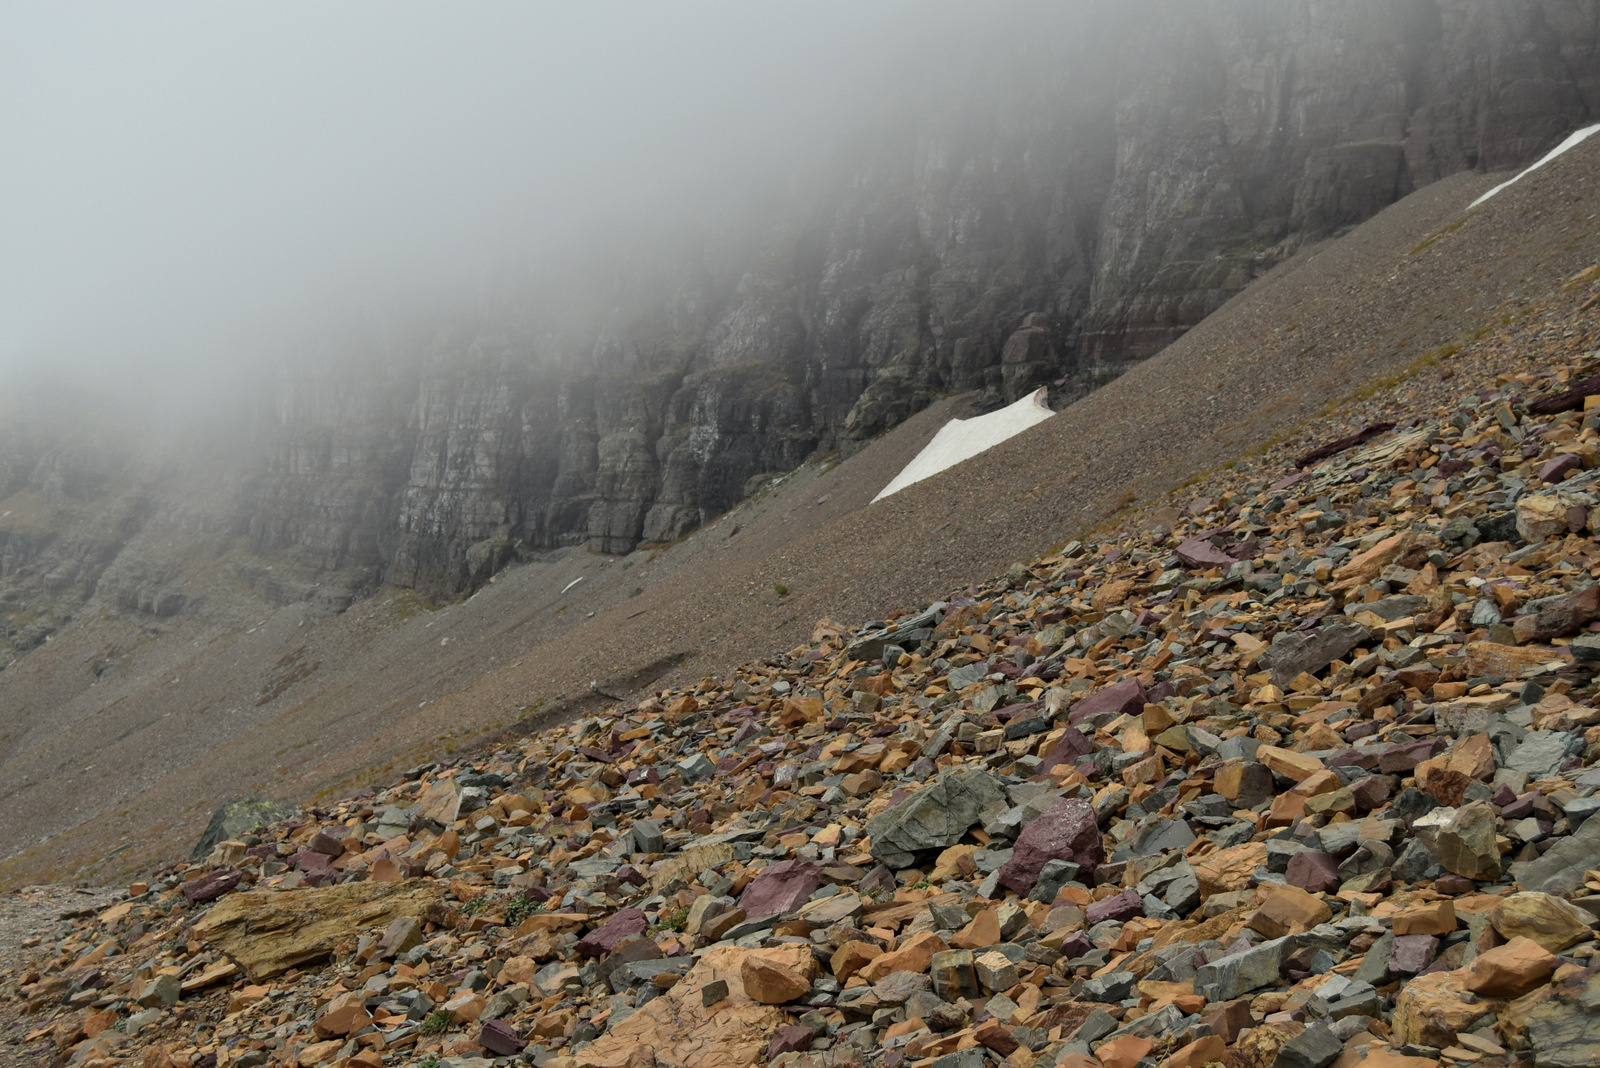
<point x="1571" y="142"/>
<point x="961" y="439"/>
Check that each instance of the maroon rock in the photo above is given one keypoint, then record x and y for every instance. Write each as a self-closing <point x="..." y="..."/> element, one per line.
<point x="1313" y="872"/>
<point x="1453" y="885"/>
<point x="780" y="888"/>
<point x="326" y="844"/>
<point x="1557" y="467"/>
<point x="1121" y="907"/>
<point x="500" y="1039"/>
<point x="1068" y="750"/>
<point x="1075" y="945"/>
<point x="210" y="886"/>
<point x="1200" y="553"/>
<point x="1405" y="756"/>
<point x="1521" y="807"/>
<point x="1067" y="831"/>
<point x="1125" y="697"/>
<point x="1229" y="1018"/>
<point x="603" y="939"/>
<point x="1577" y="519"/>
<point x="790" y="1038"/>
<point x="1412" y="953"/>
<point x="1371" y="792"/>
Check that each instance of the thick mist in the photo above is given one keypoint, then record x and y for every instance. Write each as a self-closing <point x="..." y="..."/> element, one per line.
<point x="191" y="188"/>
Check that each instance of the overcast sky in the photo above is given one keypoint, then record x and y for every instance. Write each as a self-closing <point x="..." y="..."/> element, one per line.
<point x="185" y="182"/>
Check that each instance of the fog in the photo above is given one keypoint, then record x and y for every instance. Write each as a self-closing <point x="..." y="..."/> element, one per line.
<point x="187" y="186"/>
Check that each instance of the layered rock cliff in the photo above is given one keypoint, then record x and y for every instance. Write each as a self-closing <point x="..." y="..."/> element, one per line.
<point x="1053" y="205"/>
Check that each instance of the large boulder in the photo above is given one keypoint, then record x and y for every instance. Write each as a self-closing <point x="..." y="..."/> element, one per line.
<point x="1069" y="831"/>
<point x="236" y="819"/>
<point x="935" y="817"/>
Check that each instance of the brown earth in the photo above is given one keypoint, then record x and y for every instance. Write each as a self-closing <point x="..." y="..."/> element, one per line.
<point x="394" y="685"/>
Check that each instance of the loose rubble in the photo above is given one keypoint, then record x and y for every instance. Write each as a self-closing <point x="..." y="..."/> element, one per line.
<point x="1306" y="777"/>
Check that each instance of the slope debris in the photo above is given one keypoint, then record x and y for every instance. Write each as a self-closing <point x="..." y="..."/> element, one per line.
<point x="1302" y="775"/>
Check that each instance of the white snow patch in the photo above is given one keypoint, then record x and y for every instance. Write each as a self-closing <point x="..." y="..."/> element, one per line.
<point x="961" y="439"/>
<point x="571" y="584"/>
<point x="1570" y="143"/>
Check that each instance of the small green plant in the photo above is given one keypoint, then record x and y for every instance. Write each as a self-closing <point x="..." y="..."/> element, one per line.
<point x="476" y="905"/>
<point x="780" y="589"/>
<point x="430" y="1061"/>
<point x="437" y="1023"/>
<point x="674" y="919"/>
<point x="521" y="907"/>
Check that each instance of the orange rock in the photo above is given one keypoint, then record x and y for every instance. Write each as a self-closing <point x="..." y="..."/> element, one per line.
<point x="1319" y="782"/>
<point x="851" y="957"/>
<point x="1289" y="910"/>
<point x="345" y="1020"/>
<point x="1124" y="1052"/>
<point x="1511" y="970"/>
<point x="1289" y="764"/>
<point x="1435" y="919"/>
<point x="1548" y="920"/>
<point x="1229" y="869"/>
<point x="1197" y="1054"/>
<point x="1431" y="1009"/>
<point x="773" y="982"/>
<point x="518" y="970"/>
<point x="915" y="956"/>
<point x="984" y="930"/>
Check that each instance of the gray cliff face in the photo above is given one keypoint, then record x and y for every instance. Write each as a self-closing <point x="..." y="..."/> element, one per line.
<point x="1044" y="214"/>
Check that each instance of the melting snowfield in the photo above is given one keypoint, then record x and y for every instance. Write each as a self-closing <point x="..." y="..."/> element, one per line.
<point x="961" y="439"/>
<point x="1570" y="143"/>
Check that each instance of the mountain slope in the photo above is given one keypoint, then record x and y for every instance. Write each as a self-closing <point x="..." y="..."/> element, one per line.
<point x="1330" y="323"/>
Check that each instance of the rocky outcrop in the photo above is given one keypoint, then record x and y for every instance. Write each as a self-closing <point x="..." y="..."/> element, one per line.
<point x="1049" y="214"/>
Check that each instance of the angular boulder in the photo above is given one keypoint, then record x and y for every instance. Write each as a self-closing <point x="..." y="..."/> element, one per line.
<point x="1067" y="830"/>
<point x="935" y="817"/>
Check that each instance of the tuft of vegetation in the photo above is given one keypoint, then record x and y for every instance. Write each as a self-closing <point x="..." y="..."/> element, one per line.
<point x="780" y="589"/>
<point x="673" y="919"/>
<point x="521" y="907"/>
<point x="437" y="1023"/>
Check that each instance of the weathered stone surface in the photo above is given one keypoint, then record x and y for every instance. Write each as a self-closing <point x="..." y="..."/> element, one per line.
<point x="1314" y="1047"/>
<point x="1562" y="866"/>
<point x="1289" y="910"/>
<point x="1549" y="921"/>
<point x="1068" y="830"/>
<point x="1511" y="970"/>
<point x="1467" y="842"/>
<point x="779" y="888"/>
<point x="934" y="817"/>
<point x="1123" y="906"/>
<point x="1562" y="1029"/>
<point x="625" y="923"/>
<point x="1291" y="765"/>
<point x="773" y="981"/>
<point x="1231" y="869"/>
<point x="1431" y="1009"/>
<point x="676" y="1029"/>
<point x="1244" y="971"/>
<point x="1293" y="653"/>
<point x="268" y="933"/>
<point x="1313" y="871"/>
<point x="1120" y="698"/>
